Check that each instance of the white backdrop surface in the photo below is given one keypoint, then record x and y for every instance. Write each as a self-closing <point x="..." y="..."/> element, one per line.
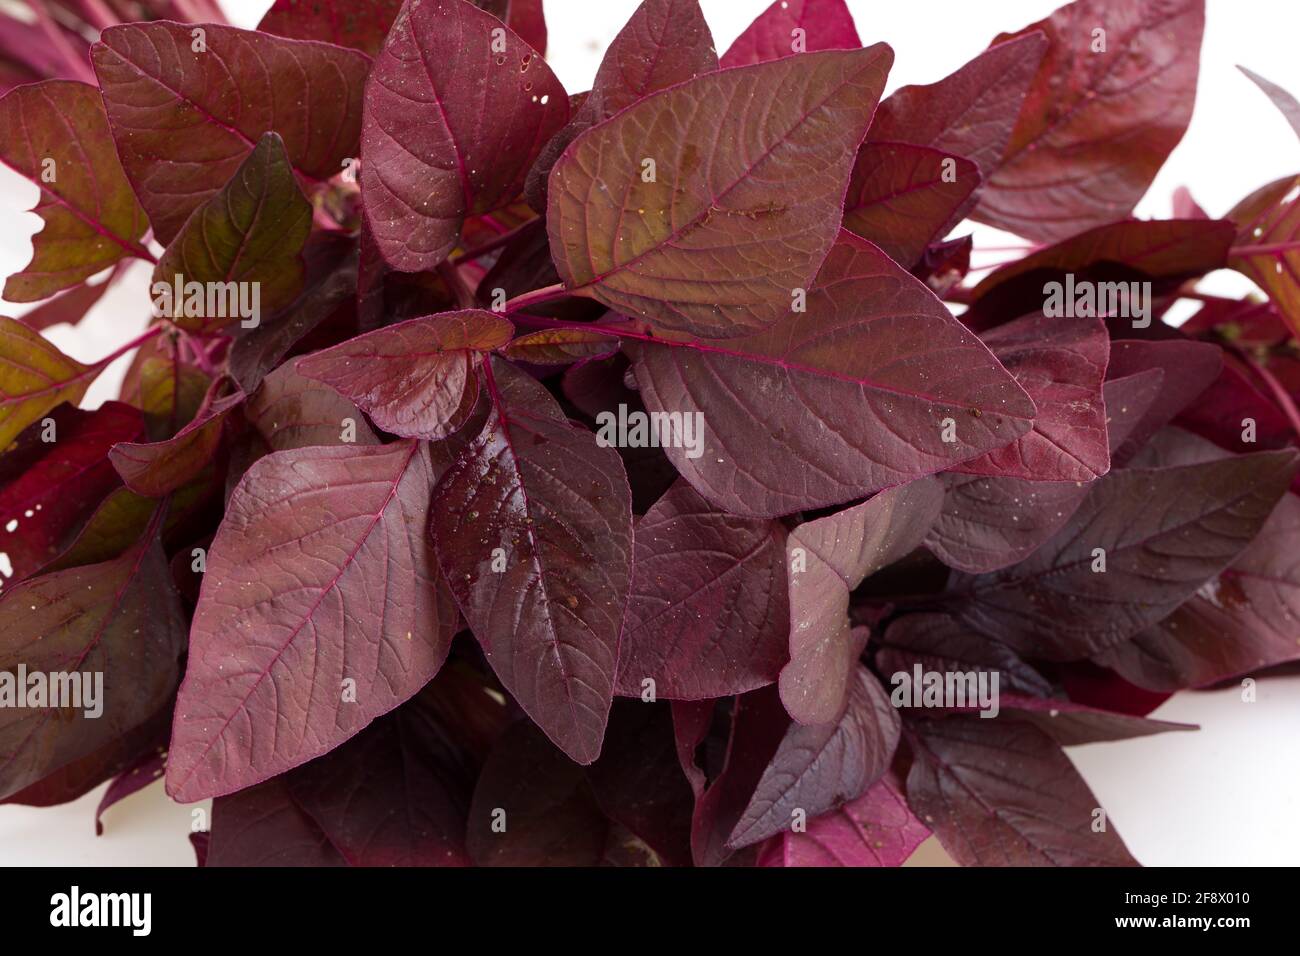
<point x="1227" y="794"/>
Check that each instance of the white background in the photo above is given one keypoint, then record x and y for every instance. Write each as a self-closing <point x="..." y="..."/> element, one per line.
<point x="1228" y="794"/>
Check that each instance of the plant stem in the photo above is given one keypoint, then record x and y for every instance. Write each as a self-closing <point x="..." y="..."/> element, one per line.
<point x="536" y="297"/>
<point x="1269" y="249"/>
<point x="136" y="342"/>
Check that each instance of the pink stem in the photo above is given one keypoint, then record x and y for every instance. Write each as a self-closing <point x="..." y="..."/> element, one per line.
<point x="136" y="342"/>
<point x="537" y="296"/>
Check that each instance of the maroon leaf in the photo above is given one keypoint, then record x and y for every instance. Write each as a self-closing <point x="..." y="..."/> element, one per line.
<point x="856" y="391"/>
<point x="397" y="794"/>
<point x="992" y="523"/>
<point x="1061" y="366"/>
<point x="941" y="644"/>
<point x="1283" y="100"/>
<point x="828" y="558"/>
<point x="794" y="26"/>
<point x="1244" y="620"/>
<point x="1161" y="533"/>
<point x="362" y="26"/>
<point x="185" y="120"/>
<point x="118" y="626"/>
<point x="561" y="346"/>
<point x="708" y="613"/>
<point x="533" y="526"/>
<point x="663" y="43"/>
<point x="49" y="489"/>
<point x="638" y="783"/>
<point x="815" y="769"/>
<point x="452" y="125"/>
<point x="639" y="213"/>
<point x="1087" y="267"/>
<point x="533" y="807"/>
<point x="322" y="568"/>
<point x="158" y="468"/>
<point x="1095" y="127"/>
<point x="264" y="826"/>
<point x="970" y="113"/>
<point x="56" y="135"/>
<point x="1041" y="814"/>
<point x="416" y="378"/>
<point x="132" y="780"/>
<point x="1071" y="724"/>
<point x="525" y="17"/>
<point x="903" y="197"/>
<point x="250" y="232"/>
<point x="1189" y="369"/>
<point x="877" y="829"/>
<point x="293" y="412"/>
<point x="71" y="306"/>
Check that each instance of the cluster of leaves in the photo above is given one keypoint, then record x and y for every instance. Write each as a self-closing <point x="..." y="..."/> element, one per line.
<point x="364" y="572"/>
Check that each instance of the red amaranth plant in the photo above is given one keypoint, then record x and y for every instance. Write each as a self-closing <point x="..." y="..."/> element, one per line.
<point x="517" y="477"/>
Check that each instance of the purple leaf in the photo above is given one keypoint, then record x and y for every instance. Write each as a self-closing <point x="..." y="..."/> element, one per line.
<point x="416" y="378"/>
<point x="1189" y="369"/>
<point x="970" y="113"/>
<point x="533" y="807"/>
<point x="185" y="120"/>
<point x="1159" y="534"/>
<point x="452" y="125"/>
<point x="827" y="559"/>
<point x="322" y="568"/>
<point x="533" y="527"/>
<point x="1283" y="100"/>
<point x="55" y="134"/>
<point x="665" y="42"/>
<point x="294" y="412"/>
<point x="131" y="780"/>
<point x="837" y="403"/>
<point x="902" y="197"/>
<point x="1071" y="724"/>
<point x="49" y="489"/>
<point x="525" y="17"/>
<point x="1242" y="621"/>
<point x="1110" y="101"/>
<point x="715" y="239"/>
<point x="119" y="626"/>
<point x="1061" y="366"/>
<point x="794" y="26"/>
<point x="361" y="26"/>
<point x="249" y="232"/>
<point x="708" y="613"/>
<point x="264" y="826"/>
<point x="1039" y="814"/>
<point x="818" y="768"/>
<point x="158" y="468"/>
<point x="877" y="829"/>
<point x="941" y="644"/>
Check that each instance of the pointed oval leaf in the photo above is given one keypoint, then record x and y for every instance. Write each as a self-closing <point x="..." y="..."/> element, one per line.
<point x="362" y="26"/>
<point x="853" y="396"/>
<point x="877" y="829"/>
<point x="970" y="113"/>
<point x="1040" y="815"/>
<point x="118" y="626"/>
<point x="664" y="42"/>
<point x="561" y="346"/>
<point x="319" y="575"/>
<point x="818" y="768"/>
<point x="1160" y="534"/>
<point x="708" y="614"/>
<point x="56" y="134"/>
<point x="533" y="526"/>
<point x="250" y="233"/>
<point x="641" y="217"/>
<point x="1061" y="366"/>
<point x="416" y="378"/>
<point x="1102" y="114"/>
<point x="827" y="559"/>
<point x="1284" y="101"/>
<point x="34" y="378"/>
<point x="794" y="26"/>
<point x="452" y="125"/>
<point x="185" y="119"/>
<point x="290" y="411"/>
<point x="903" y="197"/>
<point x="155" y="469"/>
